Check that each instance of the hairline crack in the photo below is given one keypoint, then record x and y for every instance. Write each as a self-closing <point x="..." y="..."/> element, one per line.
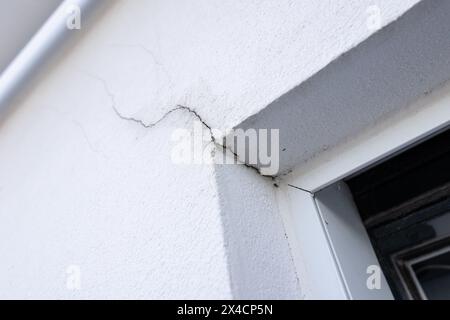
<point x="178" y="107"/>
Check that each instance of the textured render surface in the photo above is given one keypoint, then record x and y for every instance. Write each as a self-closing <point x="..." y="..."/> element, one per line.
<point x="227" y="59"/>
<point x="80" y="186"/>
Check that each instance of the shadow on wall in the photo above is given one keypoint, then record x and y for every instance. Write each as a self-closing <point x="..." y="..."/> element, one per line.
<point x="383" y="75"/>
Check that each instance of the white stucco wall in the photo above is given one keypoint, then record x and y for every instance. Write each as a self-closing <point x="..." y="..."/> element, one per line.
<point x="81" y="186"/>
<point x="229" y="56"/>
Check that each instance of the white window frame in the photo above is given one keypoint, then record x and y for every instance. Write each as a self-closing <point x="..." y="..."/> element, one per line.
<point x="329" y="243"/>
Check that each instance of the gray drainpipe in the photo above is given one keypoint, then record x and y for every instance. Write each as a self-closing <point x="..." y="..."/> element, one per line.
<point x="38" y="50"/>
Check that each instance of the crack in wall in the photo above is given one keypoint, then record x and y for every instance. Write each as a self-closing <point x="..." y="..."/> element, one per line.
<point x="178" y="107"/>
<point x="301" y="189"/>
<point x="139" y="46"/>
<point x="150" y="53"/>
<point x="77" y="124"/>
<point x="86" y="138"/>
